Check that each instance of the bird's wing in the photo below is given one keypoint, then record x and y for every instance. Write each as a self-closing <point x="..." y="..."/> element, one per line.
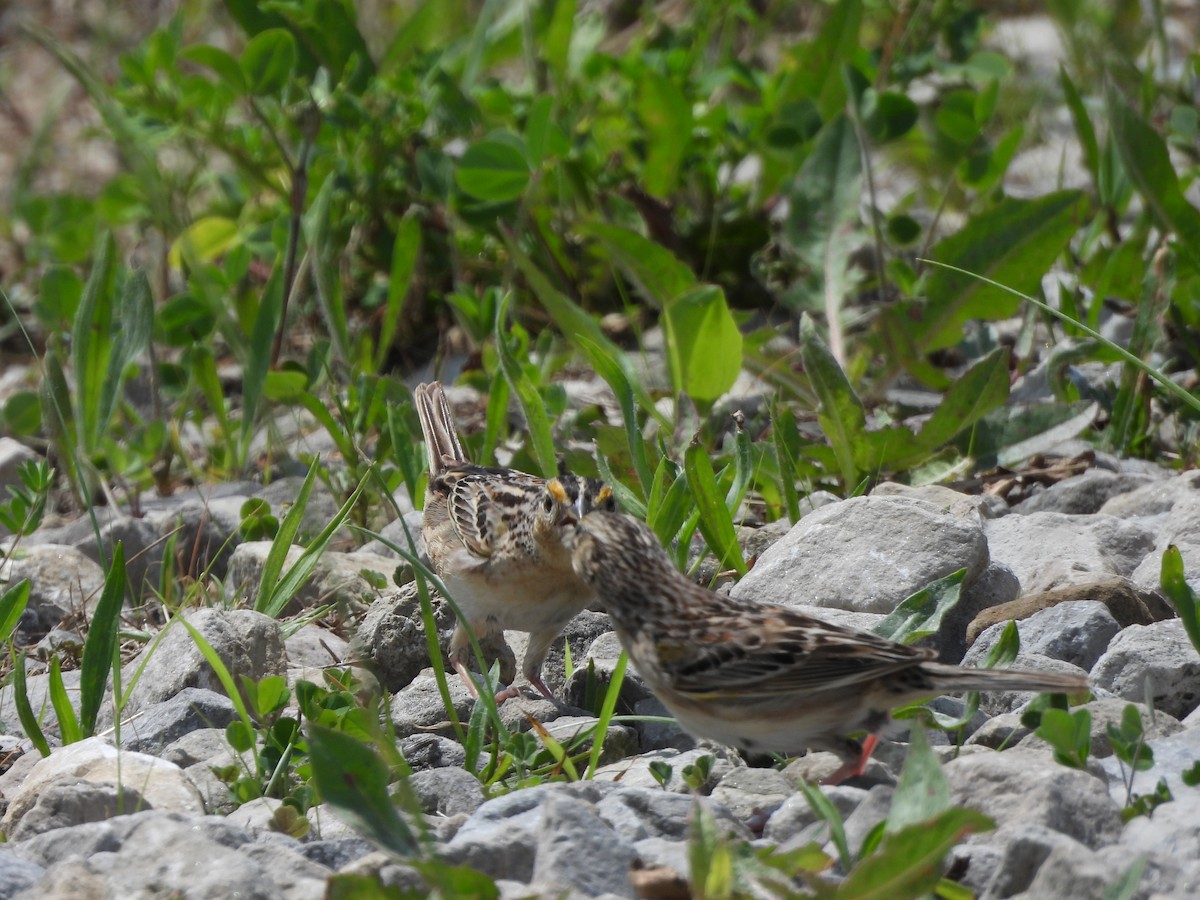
<point x="765" y="649"/>
<point x="484" y="504"/>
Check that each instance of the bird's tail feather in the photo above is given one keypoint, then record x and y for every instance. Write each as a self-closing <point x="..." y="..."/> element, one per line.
<point x="961" y="678"/>
<point x="441" y="440"/>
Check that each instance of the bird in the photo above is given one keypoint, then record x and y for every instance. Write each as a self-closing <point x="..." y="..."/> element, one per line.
<point x="494" y="538"/>
<point x="761" y="676"/>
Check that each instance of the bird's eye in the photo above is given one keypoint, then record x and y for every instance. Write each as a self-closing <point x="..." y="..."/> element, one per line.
<point x="548" y="504"/>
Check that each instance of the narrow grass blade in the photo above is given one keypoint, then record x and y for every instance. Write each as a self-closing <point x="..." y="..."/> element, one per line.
<point x="258" y="360"/>
<point x="68" y="724"/>
<point x="302" y="570"/>
<point x="284" y="537"/>
<point x="222" y="672"/>
<point x="406" y="250"/>
<point x="716" y="521"/>
<point x="540" y="436"/>
<point x="29" y="722"/>
<point x="12" y="605"/>
<point x="100" y="646"/>
<point x="1180" y="593"/>
<point x="841" y="413"/>
<point x="824" y="808"/>
<point x="606" y="713"/>
<point x="562" y="759"/>
<point x="91" y="342"/>
<point x="615" y="375"/>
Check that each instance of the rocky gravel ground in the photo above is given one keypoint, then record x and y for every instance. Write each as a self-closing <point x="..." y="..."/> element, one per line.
<point x="1078" y="564"/>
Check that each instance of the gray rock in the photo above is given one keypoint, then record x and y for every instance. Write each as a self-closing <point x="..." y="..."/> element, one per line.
<point x="1000" y="732"/>
<point x="996" y="586"/>
<point x="660" y="735"/>
<point x="314" y="647"/>
<point x="1180" y="527"/>
<point x="347" y="580"/>
<point x="1155" y="498"/>
<point x="431" y="751"/>
<point x="288" y="870"/>
<point x="1152" y="660"/>
<point x="151" y="853"/>
<point x="255" y="815"/>
<point x="61" y="804"/>
<point x="13" y="454"/>
<point x="16" y="874"/>
<point x="988" y="506"/>
<point x="395" y="532"/>
<point x="163" y="723"/>
<point x="446" y="791"/>
<point x="1076" y="632"/>
<point x="635" y="772"/>
<point x="866" y="554"/>
<point x="568" y="826"/>
<point x="593" y="674"/>
<point x="390" y="639"/>
<point x="247" y="642"/>
<point x="1108" y="711"/>
<point x="336" y="854"/>
<point x="1024" y="848"/>
<point x="38" y="690"/>
<point x="996" y="702"/>
<point x="640" y="813"/>
<point x="746" y="792"/>
<point x="1018" y="786"/>
<point x="1072" y="870"/>
<point x="419" y="708"/>
<point x="580" y="634"/>
<point x="1084" y="494"/>
<point x="796" y="814"/>
<point x="1173" y="755"/>
<point x="576" y="734"/>
<point x="62" y="581"/>
<point x="162" y="785"/>
<point x="1172" y="831"/>
<point x="1049" y="550"/>
<point x="321" y="508"/>
<point x="870" y="812"/>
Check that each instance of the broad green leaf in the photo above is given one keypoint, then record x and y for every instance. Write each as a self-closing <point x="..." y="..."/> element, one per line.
<point x="1144" y="153"/>
<point x="1180" y="593"/>
<point x="100" y="648"/>
<point x="1012" y="433"/>
<point x="1004" y="651"/>
<point x="354" y="779"/>
<point x="921" y="614"/>
<point x="22" y="414"/>
<point x="704" y="345"/>
<point x="184" y="321"/>
<point x="203" y="241"/>
<point x="716" y="521"/>
<point x="1069" y="733"/>
<point x="667" y="118"/>
<point x="58" y="295"/>
<point x="841" y="413"/>
<point x="1014" y="243"/>
<point x="658" y="276"/>
<point x="824" y="201"/>
<point x="268" y="60"/>
<point x="494" y="170"/>
<point x="227" y="68"/>
<point x="557" y="41"/>
<point x="909" y="862"/>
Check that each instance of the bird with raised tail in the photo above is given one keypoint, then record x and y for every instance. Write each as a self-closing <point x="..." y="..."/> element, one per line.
<point x="494" y="538"/>
<point x="759" y="676"/>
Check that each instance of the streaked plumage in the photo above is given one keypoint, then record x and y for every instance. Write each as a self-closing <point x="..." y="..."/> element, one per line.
<point x="494" y="537"/>
<point x="760" y="676"/>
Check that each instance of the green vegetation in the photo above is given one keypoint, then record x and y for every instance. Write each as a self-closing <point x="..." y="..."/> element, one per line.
<point x="307" y="203"/>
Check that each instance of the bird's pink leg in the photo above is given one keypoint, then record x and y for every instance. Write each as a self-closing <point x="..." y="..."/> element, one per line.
<point x="851" y="769"/>
<point x="536" y="681"/>
<point x="469" y="681"/>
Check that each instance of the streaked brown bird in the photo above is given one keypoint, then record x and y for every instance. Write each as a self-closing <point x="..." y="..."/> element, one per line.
<point x="761" y="676"/>
<point x="494" y="537"/>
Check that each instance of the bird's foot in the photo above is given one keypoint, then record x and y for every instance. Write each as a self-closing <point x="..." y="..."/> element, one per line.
<point x="852" y="769"/>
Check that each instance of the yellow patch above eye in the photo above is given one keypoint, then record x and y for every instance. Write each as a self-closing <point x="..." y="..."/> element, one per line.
<point x="557" y="491"/>
<point x="604" y="494"/>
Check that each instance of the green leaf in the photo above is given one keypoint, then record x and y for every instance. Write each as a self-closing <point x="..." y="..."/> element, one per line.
<point x="406" y="250"/>
<point x="227" y="68"/>
<point x="667" y="118"/>
<point x="612" y="367"/>
<point x="353" y="778"/>
<point x="909" y="862"/>
<point x="1014" y="243"/>
<point x="68" y="724"/>
<point x="1144" y="154"/>
<point x="653" y="269"/>
<point x="1004" y="651"/>
<point x="921" y="614"/>
<point x="1084" y="130"/>
<point x="817" y="71"/>
<point x="841" y="414"/>
<point x="258" y="359"/>
<point x="1126" y="886"/>
<point x="100" y="648"/>
<point x="58" y="295"/>
<point x="1180" y="594"/>
<point x="92" y="338"/>
<point x="824" y="202"/>
<point x="716" y="521"/>
<point x="540" y="435"/>
<point x="203" y="241"/>
<point x="824" y="808"/>
<point x="1069" y="733"/>
<point x="12" y="606"/>
<point x="25" y="715"/>
<point x="327" y="251"/>
<point x="922" y="792"/>
<point x="268" y="60"/>
<point x="704" y="345"/>
<point x="493" y="169"/>
<point x="277" y="555"/>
